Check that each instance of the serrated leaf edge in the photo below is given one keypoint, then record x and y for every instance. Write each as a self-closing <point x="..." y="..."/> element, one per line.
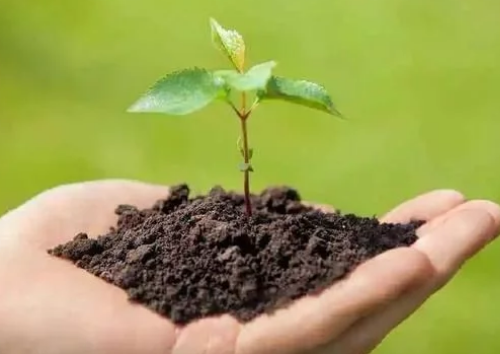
<point x="224" y="92"/>
<point x="216" y="28"/>
<point x="261" y="95"/>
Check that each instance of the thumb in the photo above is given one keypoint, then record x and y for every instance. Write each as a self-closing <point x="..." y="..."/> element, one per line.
<point x="58" y="214"/>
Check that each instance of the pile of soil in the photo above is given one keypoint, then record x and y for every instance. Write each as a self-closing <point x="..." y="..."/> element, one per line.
<point x="188" y="258"/>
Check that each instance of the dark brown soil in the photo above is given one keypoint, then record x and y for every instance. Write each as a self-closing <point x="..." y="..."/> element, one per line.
<point x="191" y="258"/>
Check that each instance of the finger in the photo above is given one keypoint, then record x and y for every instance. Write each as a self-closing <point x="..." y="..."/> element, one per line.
<point x="481" y="204"/>
<point x="459" y="234"/>
<point x="314" y="321"/>
<point x="425" y="207"/>
<point x="57" y="215"/>
<point x="365" y="335"/>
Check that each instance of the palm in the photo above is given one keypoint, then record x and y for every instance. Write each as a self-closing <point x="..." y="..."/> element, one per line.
<point x="48" y="305"/>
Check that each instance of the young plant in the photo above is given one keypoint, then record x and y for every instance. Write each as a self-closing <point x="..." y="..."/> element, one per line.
<point x="186" y="91"/>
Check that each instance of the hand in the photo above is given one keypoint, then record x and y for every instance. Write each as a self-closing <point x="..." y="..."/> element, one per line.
<point x="48" y="305"/>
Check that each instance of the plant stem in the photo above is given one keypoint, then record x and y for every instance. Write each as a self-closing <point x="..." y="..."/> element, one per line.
<point x="246" y="182"/>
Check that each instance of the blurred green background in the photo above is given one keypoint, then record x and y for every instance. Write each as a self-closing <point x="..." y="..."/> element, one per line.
<point x="418" y="80"/>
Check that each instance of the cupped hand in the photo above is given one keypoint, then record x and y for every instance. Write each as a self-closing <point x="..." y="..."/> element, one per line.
<point x="48" y="305"/>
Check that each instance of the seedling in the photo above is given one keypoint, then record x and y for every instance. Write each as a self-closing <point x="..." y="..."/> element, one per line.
<point x="189" y="90"/>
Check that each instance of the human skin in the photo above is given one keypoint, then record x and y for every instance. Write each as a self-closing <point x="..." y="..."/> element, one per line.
<point x="47" y="305"/>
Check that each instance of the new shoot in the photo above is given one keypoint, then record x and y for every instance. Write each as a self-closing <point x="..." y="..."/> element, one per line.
<point x="189" y="90"/>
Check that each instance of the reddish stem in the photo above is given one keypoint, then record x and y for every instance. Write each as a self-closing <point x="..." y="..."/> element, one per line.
<point x="243" y="115"/>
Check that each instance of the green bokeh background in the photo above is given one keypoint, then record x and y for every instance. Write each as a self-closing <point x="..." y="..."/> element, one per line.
<point x="418" y="80"/>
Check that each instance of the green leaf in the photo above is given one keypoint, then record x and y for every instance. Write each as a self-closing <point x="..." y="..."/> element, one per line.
<point x="302" y="92"/>
<point x="230" y="42"/>
<point x="181" y="92"/>
<point x="254" y="79"/>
